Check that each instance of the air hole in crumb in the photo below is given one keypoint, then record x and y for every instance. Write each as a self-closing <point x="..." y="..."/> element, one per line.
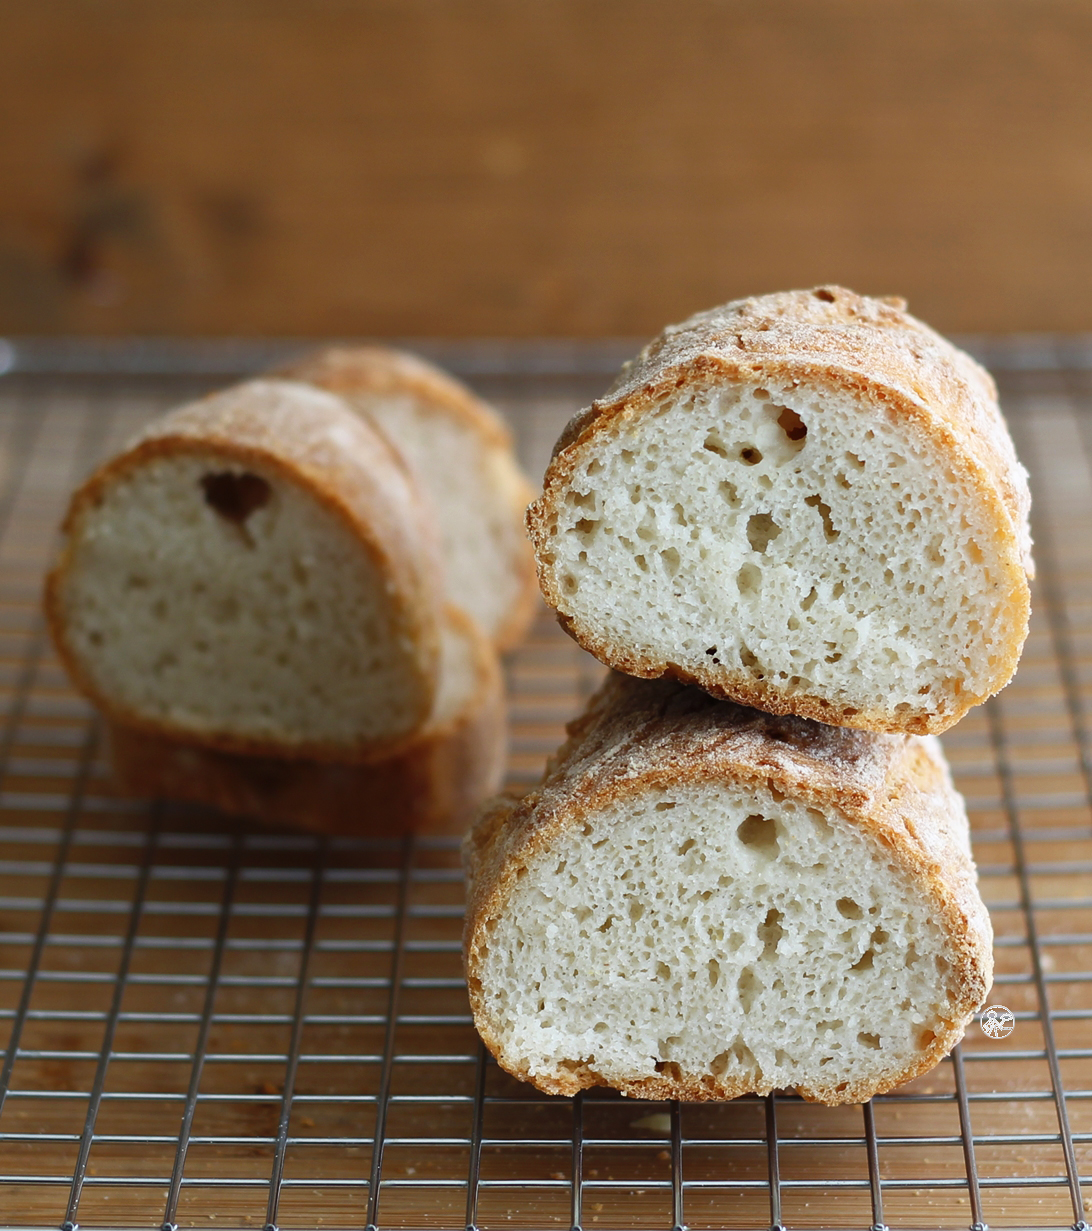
<point x="688" y="845"/>
<point x="569" y="584"/>
<point x="761" y="531"/>
<point x="806" y="604"/>
<point x="849" y="909"/>
<point x="864" y="962"/>
<point x="869" y="1040"/>
<point x="770" y="932"/>
<point x="750" y="456"/>
<point x="816" y="502"/>
<point x="760" y="834"/>
<point x="665" y="805"/>
<point x="715" y="445"/>
<point x="824" y="295"/>
<point x="748" y="659"/>
<point x="748" y="987"/>
<point x="749" y="581"/>
<point x="791" y="424"/>
<point x="235" y="496"/>
<point x="728" y="491"/>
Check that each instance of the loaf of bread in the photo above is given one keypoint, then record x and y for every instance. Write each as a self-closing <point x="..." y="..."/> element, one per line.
<point x="433" y="786"/>
<point x="461" y="454"/>
<point x="254" y="573"/>
<point x="807" y="502"/>
<point x="701" y="901"/>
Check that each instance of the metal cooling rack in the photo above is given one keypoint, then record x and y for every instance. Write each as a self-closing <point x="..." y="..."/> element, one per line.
<point x="212" y="1024"/>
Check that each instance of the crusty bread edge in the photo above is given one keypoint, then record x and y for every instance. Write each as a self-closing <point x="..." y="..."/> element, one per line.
<point x="510" y="834"/>
<point x="409" y="595"/>
<point x="737" y="684"/>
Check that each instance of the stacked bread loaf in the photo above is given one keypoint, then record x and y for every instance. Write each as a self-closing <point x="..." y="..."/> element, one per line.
<point x="806" y="503"/>
<point x="257" y="595"/>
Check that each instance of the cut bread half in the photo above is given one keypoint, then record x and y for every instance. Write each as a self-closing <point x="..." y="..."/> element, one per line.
<point x="462" y="456"/>
<point x="432" y="786"/>
<point x="807" y="502"/>
<point x="253" y="573"/>
<point x="702" y="901"/>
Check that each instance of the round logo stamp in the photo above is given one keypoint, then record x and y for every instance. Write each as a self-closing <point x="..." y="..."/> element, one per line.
<point x="997" y="1021"/>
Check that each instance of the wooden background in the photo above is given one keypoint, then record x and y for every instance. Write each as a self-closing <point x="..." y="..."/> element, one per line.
<point x="523" y="167"/>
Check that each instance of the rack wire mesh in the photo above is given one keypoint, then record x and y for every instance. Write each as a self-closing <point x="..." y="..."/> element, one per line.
<point x="208" y="1023"/>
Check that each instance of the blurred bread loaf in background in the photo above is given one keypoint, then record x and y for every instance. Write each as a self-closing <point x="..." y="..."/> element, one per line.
<point x="255" y="592"/>
<point x="434" y="785"/>
<point x="254" y="573"/>
<point x="460" y="451"/>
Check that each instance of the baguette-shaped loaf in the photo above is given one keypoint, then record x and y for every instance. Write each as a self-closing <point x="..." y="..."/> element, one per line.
<point x="807" y="502"/>
<point x="433" y="786"/>
<point x="462" y="455"/>
<point x="702" y="901"/>
<point x="255" y="573"/>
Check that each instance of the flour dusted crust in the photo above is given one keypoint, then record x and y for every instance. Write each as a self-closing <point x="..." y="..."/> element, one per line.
<point x="307" y="446"/>
<point x="887" y="373"/>
<point x="889" y="796"/>
<point x="433" y="786"/>
<point x="490" y="565"/>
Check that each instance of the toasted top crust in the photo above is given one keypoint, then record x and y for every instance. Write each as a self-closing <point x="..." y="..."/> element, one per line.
<point x="637" y="734"/>
<point x="381" y="370"/>
<point x="831" y="337"/>
<point x="315" y="441"/>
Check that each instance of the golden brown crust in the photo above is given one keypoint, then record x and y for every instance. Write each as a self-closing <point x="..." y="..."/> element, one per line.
<point x="827" y="339"/>
<point x="361" y="372"/>
<point x="637" y="735"/>
<point x="434" y="786"/>
<point x="314" y="443"/>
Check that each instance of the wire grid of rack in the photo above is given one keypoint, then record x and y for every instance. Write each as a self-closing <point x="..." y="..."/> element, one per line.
<point x="208" y="1023"/>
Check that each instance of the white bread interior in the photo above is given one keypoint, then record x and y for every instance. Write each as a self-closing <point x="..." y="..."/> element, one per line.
<point x="702" y="901"/>
<point x="792" y="528"/>
<point x="230" y="578"/>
